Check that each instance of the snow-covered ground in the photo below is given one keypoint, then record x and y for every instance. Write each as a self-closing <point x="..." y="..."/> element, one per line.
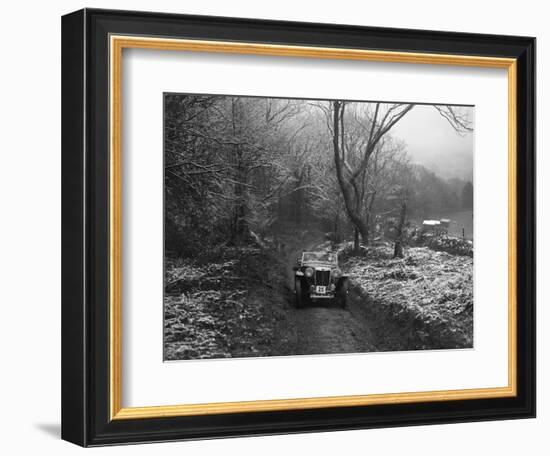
<point x="424" y="301"/>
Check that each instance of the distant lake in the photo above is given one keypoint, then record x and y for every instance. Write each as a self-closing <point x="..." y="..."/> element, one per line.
<point x="460" y="220"/>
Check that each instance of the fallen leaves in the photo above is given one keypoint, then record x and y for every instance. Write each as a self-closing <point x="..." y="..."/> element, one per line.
<point x="220" y="309"/>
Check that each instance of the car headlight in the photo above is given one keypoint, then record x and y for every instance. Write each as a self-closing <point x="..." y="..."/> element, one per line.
<point x="308" y="272"/>
<point x="336" y="273"/>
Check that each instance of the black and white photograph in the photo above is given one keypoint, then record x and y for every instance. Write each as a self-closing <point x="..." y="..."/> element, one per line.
<point x="311" y="227"/>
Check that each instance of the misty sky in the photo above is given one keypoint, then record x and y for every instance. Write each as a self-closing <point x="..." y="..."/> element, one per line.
<point x="432" y="142"/>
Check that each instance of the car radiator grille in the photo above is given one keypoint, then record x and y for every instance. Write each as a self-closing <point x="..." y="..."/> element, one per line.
<point x="322" y="278"/>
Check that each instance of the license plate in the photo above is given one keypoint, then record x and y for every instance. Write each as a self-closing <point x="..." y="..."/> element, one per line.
<point x="320" y="290"/>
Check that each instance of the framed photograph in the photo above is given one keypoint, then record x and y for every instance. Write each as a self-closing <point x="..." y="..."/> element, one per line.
<point x="278" y="227"/>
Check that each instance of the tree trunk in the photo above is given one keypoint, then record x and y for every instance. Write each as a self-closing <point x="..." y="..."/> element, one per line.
<point x="240" y="224"/>
<point x="356" y="241"/>
<point x="351" y="202"/>
<point x="239" y="228"/>
<point x="398" y="249"/>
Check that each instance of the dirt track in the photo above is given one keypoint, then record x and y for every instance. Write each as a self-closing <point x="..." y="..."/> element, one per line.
<point x="331" y="330"/>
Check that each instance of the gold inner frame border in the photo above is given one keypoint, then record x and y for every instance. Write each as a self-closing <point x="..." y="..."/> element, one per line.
<point x="116" y="46"/>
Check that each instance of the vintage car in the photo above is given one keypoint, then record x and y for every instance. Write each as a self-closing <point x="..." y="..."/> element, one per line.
<point x="317" y="277"/>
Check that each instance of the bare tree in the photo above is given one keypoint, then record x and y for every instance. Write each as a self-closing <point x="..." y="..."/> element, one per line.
<point x="376" y="120"/>
<point x="398" y="246"/>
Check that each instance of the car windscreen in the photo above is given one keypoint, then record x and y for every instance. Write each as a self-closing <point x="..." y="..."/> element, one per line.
<point x="319" y="256"/>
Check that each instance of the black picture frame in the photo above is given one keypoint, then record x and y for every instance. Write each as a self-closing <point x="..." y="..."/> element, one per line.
<point x="85" y="228"/>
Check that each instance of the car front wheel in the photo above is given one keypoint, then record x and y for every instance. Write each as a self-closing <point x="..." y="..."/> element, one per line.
<point x="298" y="296"/>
